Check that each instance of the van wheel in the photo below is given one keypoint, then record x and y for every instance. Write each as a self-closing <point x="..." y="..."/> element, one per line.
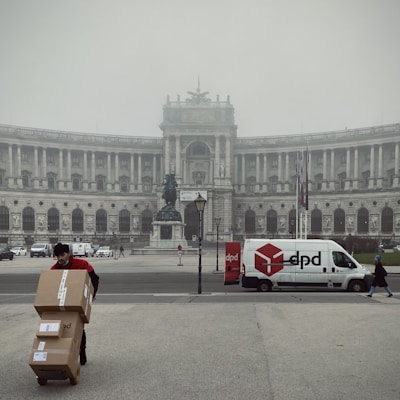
<point x="264" y="286"/>
<point x="357" y="286"/>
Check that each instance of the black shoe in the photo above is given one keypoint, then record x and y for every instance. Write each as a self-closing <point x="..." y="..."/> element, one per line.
<point x="390" y="295"/>
<point x="369" y="295"/>
<point x="82" y="358"/>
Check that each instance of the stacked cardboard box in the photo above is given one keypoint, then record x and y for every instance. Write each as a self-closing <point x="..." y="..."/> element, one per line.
<point x="63" y="300"/>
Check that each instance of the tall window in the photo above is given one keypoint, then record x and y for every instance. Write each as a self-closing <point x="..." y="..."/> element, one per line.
<point x="28" y="219"/>
<point x="339" y="221"/>
<point x="4" y="218"/>
<point x="251" y="184"/>
<point x="53" y="219"/>
<point x="387" y="220"/>
<point x="101" y="221"/>
<point x="77" y="220"/>
<point x="124" y="221"/>
<point x="147" y="219"/>
<point x="76" y="182"/>
<point x="363" y="220"/>
<point x="272" y="221"/>
<point x="250" y="222"/>
<point x="292" y="222"/>
<point x="147" y="183"/>
<point x="316" y="221"/>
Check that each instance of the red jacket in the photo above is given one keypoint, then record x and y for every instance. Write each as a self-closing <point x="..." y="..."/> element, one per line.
<point x="79" y="263"/>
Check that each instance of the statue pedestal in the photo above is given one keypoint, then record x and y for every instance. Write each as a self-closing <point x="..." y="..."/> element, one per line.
<point x="168" y="234"/>
<point x="166" y="237"/>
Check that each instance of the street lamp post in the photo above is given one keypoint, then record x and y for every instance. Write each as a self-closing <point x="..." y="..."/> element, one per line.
<point x="217" y="221"/>
<point x="200" y="203"/>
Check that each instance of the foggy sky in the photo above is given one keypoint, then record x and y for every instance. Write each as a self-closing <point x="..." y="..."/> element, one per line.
<point x="289" y="66"/>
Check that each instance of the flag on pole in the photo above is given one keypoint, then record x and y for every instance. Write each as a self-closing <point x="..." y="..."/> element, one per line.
<point x="302" y="183"/>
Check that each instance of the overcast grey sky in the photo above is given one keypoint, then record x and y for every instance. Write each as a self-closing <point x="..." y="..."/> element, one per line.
<point x="289" y="66"/>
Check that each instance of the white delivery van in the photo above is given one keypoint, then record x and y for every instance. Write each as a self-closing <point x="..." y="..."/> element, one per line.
<point x="301" y="263"/>
<point x="81" y="249"/>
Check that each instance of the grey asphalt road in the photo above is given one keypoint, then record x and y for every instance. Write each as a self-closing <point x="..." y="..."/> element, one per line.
<point x="195" y="349"/>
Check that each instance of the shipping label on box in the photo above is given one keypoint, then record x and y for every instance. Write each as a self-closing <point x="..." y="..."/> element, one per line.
<point x="55" y="354"/>
<point x="71" y="323"/>
<point x="65" y="290"/>
<point x="49" y="328"/>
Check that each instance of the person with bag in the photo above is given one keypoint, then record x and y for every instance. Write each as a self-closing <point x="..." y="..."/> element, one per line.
<point x="379" y="278"/>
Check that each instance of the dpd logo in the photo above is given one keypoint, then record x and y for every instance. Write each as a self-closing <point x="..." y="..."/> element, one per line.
<point x="268" y="259"/>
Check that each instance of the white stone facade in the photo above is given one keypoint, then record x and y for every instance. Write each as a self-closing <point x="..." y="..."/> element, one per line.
<point x="63" y="185"/>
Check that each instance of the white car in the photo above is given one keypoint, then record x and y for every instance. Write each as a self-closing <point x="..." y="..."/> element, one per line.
<point x="19" y="250"/>
<point x="396" y="248"/>
<point x="104" y="251"/>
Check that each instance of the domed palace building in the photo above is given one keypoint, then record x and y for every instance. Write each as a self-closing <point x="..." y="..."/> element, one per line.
<point x="67" y="186"/>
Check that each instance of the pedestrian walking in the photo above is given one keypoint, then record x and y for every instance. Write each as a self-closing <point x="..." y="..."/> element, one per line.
<point x="121" y="252"/>
<point x="65" y="260"/>
<point x="379" y="278"/>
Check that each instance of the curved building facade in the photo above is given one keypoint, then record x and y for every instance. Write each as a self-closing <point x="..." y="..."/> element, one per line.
<point x="65" y="186"/>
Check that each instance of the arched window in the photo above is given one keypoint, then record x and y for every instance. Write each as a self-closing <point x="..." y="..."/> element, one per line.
<point x="4" y="218"/>
<point x="272" y="221"/>
<point x="147" y="219"/>
<point x="339" y="221"/>
<point x="250" y="222"/>
<point x="53" y="219"/>
<point x="77" y="220"/>
<point x="316" y="221"/>
<point x="101" y="221"/>
<point x="28" y="219"/>
<point x="124" y="221"/>
<point x="362" y="220"/>
<point x="387" y="220"/>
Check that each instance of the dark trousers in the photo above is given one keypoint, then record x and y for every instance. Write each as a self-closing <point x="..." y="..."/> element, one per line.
<point x="83" y="342"/>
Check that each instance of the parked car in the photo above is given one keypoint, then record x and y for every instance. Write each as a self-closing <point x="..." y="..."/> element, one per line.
<point x="104" y="251"/>
<point x="41" y="250"/>
<point x="19" y="250"/>
<point x="396" y="249"/>
<point x="6" y="254"/>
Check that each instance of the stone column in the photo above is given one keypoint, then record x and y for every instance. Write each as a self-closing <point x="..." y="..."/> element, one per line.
<point x="258" y="180"/>
<point x="280" y="184"/>
<point x="154" y="173"/>
<point x="93" y="172"/>
<point x="243" y="187"/>
<point x="60" y="170"/>
<point x="217" y="158"/>
<point x="379" y="177"/>
<point x="108" y="172"/>
<point x="228" y="156"/>
<point x="178" y="167"/>
<point x="324" y="169"/>
<point x="348" y="180"/>
<point x="265" y="179"/>
<point x="396" y="166"/>
<point x="140" y="188"/>
<point x="166" y="155"/>
<point x="333" y="176"/>
<point x="132" y="180"/>
<point x="85" y="171"/>
<point x="35" y="168"/>
<point x="287" y="172"/>
<point x="10" y="167"/>
<point x="371" y="168"/>
<point x="355" y="178"/>
<point x="69" y="173"/>
<point x="44" y="169"/>
<point x="116" y="175"/>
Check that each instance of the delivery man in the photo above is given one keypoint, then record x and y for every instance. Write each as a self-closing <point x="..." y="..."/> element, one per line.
<point x="66" y="261"/>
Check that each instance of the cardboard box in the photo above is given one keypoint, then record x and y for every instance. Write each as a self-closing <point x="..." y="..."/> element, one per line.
<point x="65" y="290"/>
<point x="49" y="328"/>
<point x="71" y="323"/>
<point x="55" y="358"/>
